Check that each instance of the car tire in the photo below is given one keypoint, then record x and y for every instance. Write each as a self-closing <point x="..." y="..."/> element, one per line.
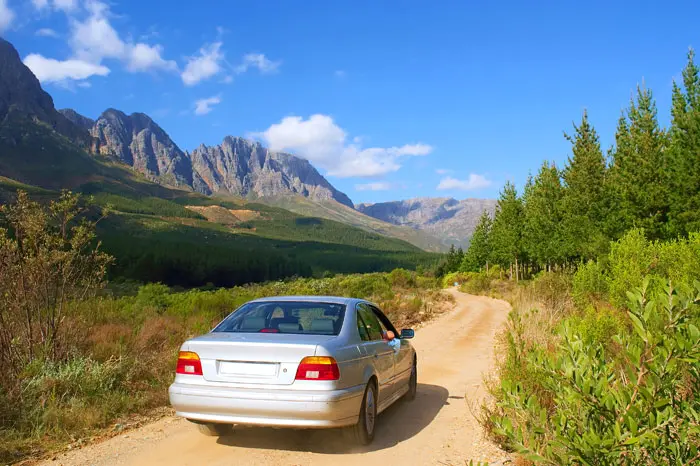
<point x="214" y="430"/>
<point x="363" y="431"/>
<point x="412" y="383"/>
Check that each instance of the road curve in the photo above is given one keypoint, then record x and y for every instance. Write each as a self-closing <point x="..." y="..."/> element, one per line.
<point x="437" y="428"/>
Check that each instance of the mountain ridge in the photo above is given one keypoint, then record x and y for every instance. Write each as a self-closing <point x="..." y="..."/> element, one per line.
<point x="447" y="218"/>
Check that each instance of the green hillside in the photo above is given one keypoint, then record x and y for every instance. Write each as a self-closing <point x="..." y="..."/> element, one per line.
<point x="333" y="210"/>
<point x="184" y="238"/>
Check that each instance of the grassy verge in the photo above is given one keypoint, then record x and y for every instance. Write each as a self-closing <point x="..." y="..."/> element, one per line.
<point x="123" y="348"/>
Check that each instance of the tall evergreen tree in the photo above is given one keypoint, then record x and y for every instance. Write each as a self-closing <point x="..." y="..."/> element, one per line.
<point x="685" y="151"/>
<point x="506" y="232"/>
<point x="585" y="200"/>
<point x="477" y="256"/>
<point x="640" y="170"/>
<point x="542" y="232"/>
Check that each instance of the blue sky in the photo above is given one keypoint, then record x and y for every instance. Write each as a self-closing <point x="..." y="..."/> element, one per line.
<point x="390" y="102"/>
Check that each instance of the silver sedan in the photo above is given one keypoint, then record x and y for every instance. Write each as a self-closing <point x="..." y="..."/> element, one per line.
<point x="296" y="362"/>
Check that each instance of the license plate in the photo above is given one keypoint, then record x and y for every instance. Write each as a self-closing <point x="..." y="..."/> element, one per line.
<point x="249" y="369"/>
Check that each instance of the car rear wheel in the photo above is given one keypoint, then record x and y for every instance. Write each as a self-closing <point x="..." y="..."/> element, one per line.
<point x="214" y="430"/>
<point x="363" y="431"/>
<point x="413" y="383"/>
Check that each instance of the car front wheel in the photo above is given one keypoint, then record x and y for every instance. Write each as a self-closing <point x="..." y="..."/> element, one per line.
<point x="413" y="383"/>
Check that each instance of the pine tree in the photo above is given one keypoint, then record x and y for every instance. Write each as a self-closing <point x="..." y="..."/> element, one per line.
<point x="506" y="232"/>
<point x="639" y="170"/>
<point x="542" y="233"/>
<point x="477" y="256"/>
<point x="585" y="200"/>
<point x="685" y="152"/>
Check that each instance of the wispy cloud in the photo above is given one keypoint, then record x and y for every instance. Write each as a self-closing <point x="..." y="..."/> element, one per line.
<point x="50" y="70"/>
<point x="7" y="16"/>
<point x="204" y="106"/>
<point x="472" y="183"/>
<point x="203" y="65"/>
<point x="259" y="61"/>
<point x="340" y="73"/>
<point x="46" y="32"/>
<point x="443" y="171"/>
<point x="378" y="186"/>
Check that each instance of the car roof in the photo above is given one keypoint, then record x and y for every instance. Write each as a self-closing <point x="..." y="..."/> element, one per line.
<point x="310" y="299"/>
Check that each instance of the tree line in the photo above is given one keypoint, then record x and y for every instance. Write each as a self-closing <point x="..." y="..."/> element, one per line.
<point x="649" y="179"/>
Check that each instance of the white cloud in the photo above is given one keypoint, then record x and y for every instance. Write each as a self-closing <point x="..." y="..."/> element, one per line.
<point x="6" y="15"/>
<point x="324" y="143"/>
<point x="46" y="32"/>
<point x="340" y="73"/>
<point x="473" y="183"/>
<point x="443" y="171"/>
<point x="40" y="4"/>
<point x="204" y="106"/>
<point x="228" y="79"/>
<point x="204" y="65"/>
<point x="143" y="57"/>
<point x="65" y="5"/>
<point x="95" y="39"/>
<point x="259" y="61"/>
<point x="50" y="70"/>
<point x="379" y="186"/>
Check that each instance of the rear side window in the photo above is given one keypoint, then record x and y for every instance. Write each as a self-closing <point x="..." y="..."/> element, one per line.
<point x="374" y="328"/>
<point x="285" y="317"/>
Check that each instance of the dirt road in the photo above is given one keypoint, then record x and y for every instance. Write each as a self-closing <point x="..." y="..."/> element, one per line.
<point x="436" y="428"/>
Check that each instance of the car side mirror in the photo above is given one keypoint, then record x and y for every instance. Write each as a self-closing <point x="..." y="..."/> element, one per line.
<point x="407" y="333"/>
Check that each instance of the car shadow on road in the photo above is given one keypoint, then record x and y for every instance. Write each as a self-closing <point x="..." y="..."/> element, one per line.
<point x="400" y="422"/>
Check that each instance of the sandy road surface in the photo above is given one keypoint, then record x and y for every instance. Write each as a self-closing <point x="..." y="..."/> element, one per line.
<point x="436" y="428"/>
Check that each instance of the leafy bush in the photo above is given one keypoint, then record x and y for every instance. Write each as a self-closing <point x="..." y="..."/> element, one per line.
<point x="552" y="289"/>
<point x="633" y="402"/>
<point x="590" y="283"/>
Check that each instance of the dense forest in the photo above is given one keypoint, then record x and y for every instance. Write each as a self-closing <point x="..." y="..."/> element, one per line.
<point x="649" y="179"/>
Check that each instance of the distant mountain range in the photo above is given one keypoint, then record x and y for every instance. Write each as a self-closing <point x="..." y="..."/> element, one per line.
<point x="237" y="167"/>
<point x="450" y="220"/>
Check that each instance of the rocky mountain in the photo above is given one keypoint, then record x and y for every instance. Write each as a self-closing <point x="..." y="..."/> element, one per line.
<point x="245" y="168"/>
<point x="139" y="142"/>
<point x="21" y="97"/>
<point x="77" y="119"/>
<point x="450" y="220"/>
<point x="237" y="166"/>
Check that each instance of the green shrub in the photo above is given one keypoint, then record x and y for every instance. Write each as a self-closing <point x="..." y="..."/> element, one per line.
<point x="477" y="283"/>
<point x="597" y="326"/>
<point x="634" y="401"/>
<point x="590" y="283"/>
<point x="552" y="288"/>
<point x="153" y="295"/>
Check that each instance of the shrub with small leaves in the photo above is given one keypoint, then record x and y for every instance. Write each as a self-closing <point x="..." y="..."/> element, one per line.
<point x="636" y="403"/>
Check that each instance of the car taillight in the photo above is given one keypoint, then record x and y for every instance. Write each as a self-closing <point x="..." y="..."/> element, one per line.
<point x="188" y="363"/>
<point x="318" y="368"/>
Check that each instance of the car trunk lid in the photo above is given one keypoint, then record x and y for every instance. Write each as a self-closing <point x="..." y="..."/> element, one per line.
<point x="253" y="358"/>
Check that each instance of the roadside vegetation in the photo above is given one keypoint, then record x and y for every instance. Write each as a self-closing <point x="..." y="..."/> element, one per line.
<point x="600" y="361"/>
<point x="81" y="356"/>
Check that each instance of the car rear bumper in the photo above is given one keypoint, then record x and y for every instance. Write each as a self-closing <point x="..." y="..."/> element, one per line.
<point x="279" y="408"/>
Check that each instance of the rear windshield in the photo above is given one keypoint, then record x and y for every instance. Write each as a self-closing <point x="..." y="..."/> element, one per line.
<point x="285" y="317"/>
